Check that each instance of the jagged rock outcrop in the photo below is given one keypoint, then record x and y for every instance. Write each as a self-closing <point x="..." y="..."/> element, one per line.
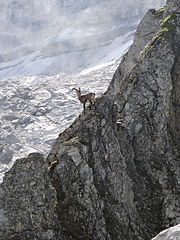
<point x="143" y="35"/>
<point x="133" y="152"/>
<point x="115" y="171"/>
<point x="28" y="202"/>
<point x="171" y="233"/>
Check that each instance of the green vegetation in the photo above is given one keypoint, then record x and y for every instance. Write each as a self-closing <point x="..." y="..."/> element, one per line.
<point x="72" y="140"/>
<point x="98" y="115"/>
<point x="168" y="28"/>
<point x="149" y="46"/>
<point x="159" y="11"/>
<point x="168" y="24"/>
<point x="53" y="165"/>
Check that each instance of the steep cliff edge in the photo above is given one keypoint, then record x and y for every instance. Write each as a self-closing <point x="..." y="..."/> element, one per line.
<point x="115" y="171"/>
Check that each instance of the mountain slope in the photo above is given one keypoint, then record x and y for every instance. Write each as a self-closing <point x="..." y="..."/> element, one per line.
<point x="34" y="109"/>
<point x="90" y="35"/>
<point x="45" y="36"/>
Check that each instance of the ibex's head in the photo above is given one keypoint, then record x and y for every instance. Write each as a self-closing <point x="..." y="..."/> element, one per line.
<point x="77" y="90"/>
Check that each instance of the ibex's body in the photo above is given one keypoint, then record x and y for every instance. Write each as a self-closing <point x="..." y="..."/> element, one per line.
<point x="85" y="97"/>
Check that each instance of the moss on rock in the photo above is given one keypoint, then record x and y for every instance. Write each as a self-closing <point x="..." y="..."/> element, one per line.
<point x="160" y="11"/>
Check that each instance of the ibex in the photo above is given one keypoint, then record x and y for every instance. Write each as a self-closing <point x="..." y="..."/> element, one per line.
<point x="85" y="97"/>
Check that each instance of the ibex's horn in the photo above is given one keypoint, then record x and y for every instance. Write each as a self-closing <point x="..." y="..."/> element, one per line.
<point x="74" y="89"/>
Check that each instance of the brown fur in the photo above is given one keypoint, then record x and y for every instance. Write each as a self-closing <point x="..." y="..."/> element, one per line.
<point x="85" y="97"/>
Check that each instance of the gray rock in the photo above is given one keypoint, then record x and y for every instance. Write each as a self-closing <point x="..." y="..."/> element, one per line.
<point x="6" y="155"/>
<point x="172" y="233"/>
<point x="128" y="153"/>
<point x="28" y="201"/>
<point x="115" y="171"/>
<point x="172" y="6"/>
<point x="143" y="35"/>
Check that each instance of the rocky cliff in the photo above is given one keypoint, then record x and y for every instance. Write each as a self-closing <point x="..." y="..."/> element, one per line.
<point x="171" y="233"/>
<point x="114" y="173"/>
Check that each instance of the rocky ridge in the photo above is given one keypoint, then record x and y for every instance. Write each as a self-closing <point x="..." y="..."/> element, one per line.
<point x="114" y="173"/>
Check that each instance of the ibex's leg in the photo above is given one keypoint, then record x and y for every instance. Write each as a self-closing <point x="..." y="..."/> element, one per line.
<point x="84" y="105"/>
<point x="93" y="101"/>
<point x="90" y="104"/>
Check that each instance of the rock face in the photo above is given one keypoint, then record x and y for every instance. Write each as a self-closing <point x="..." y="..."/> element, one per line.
<point x="142" y="36"/>
<point x="131" y="151"/>
<point x="28" y="201"/>
<point x="115" y="171"/>
<point x="173" y="6"/>
<point x="171" y="233"/>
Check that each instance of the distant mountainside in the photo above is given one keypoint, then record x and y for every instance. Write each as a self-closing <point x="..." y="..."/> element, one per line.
<point x="30" y="13"/>
<point x="43" y="37"/>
